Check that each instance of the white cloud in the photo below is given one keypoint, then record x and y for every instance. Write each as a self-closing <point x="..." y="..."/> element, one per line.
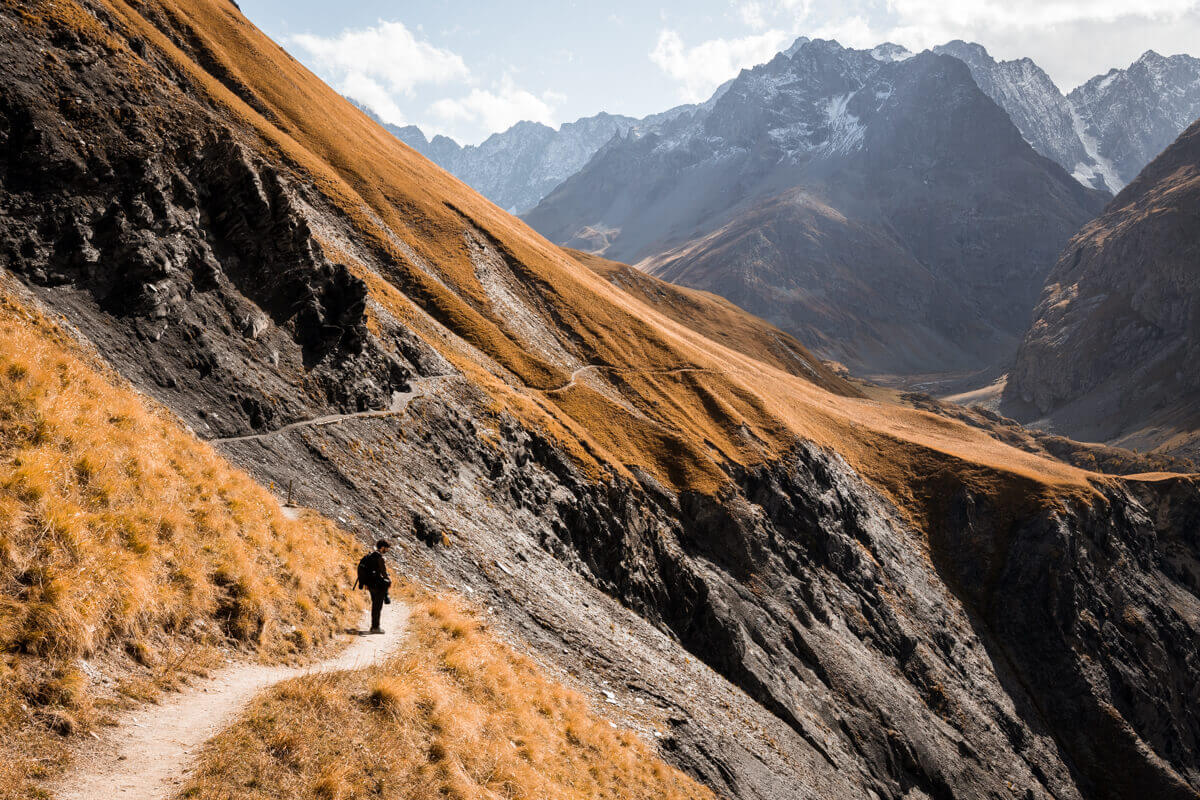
<point x="853" y="31"/>
<point x="1030" y="13"/>
<point x="753" y="14"/>
<point x="390" y="69"/>
<point x="761" y="14"/>
<point x="500" y="109"/>
<point x="386" y="55"/>
<point x="1071" y="39"/>
<point x="702" y="68"/>
<point x="374" y="95"/>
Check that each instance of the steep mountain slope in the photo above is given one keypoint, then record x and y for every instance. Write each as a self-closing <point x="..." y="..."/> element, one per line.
<point x="1112" y="351"/>
<point x="1105" y="131"/>
<point x="111" y="591"/>
<point x="806" y="594"/>
<point x="1128" y="116"/>
<point x="884" y="211"/>
<point x="1046" y="118"/>
<point x="716" y="318"/>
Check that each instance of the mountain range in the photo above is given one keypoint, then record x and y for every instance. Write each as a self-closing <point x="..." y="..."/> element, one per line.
<point x="1102" y="132"/>
<point x="882" y="209"/>
<point x="519" y="167"/>
<point x="832" y="264"/>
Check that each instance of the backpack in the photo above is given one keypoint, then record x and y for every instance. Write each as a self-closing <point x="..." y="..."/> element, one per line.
<point x="365" y="575"/>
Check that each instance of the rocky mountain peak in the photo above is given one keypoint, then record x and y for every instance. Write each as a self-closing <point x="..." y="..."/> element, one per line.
<point x="1128" y="116"/>
<point x="796" y="45"/>
<point x="970" y="52"/>
<point x="890" y="51"/>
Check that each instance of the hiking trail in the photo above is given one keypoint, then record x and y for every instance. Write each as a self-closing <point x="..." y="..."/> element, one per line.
<point x="400" y="402"/>
<point x="150" y="752"/>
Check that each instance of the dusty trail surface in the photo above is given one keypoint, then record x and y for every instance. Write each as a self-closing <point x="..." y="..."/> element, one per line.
<point x="400" y="401"/>
<point x="147" y="755"/>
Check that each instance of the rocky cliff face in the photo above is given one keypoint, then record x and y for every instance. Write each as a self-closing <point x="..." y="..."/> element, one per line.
<point x="1046" y="118"/>
<point x="1112" y="351"/>
<point x="1129" y="116"/>
<point x="794" y="592"/>
<point x="837" y="194"/>
<point x="181" y="237"/>
<point x="1103" y="132"/>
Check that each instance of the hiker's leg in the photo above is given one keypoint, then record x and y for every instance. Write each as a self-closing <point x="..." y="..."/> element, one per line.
<point x="377" y="596"/>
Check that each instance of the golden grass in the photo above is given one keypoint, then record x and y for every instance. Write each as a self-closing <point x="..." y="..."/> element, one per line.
<point x="718" y="319"/>
<point x="456" y="714"/>
<point x="125" y="541"/>
<point x="388" y="191"/>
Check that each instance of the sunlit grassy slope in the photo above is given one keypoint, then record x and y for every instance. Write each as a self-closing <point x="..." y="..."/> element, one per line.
<point x="129" y="548"/>
<point x="689" y="407"/>
<point x="456" y="714"/>
<point x="720" y="320"/>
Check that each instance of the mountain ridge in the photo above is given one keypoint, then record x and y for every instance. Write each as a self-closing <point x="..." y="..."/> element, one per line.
<point x="1071" y="129"/>
<point x="1109" y="352"/>
<point x="813" y="170"/>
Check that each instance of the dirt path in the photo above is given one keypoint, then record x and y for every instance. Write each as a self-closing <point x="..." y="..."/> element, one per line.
<point x="148" y="755"/>
<point x="400" y="402"/>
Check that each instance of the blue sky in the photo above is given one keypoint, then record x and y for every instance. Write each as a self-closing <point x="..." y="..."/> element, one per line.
<point x="468" y="69"/>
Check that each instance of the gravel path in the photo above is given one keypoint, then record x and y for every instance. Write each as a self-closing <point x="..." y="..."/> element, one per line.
<point x="148" y="755"/>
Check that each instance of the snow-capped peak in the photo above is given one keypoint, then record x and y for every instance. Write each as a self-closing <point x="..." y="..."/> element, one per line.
<point x="889" y="51"/>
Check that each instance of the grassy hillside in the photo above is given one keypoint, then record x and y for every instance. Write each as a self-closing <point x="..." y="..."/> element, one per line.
<point x="720" y="320"/>
<point x="130" y="553"/>
<point x="457" y="714"/>
<point x="519" y="317"/>
<point x="132" y="557"/>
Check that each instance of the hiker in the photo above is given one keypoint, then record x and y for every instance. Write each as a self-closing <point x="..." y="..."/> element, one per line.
<point x="373" y="576"/>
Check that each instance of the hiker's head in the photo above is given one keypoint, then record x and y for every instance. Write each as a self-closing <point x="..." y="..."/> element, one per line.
<point x="383" y="545"/>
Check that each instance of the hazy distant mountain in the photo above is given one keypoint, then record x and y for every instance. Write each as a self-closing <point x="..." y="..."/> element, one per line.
<point x="518" y="167"/>
<point x="875" y="204"/>
<point x="1039" y="110"/>
<point x="1103" y="132"/>
<point x="1114" y="351"/>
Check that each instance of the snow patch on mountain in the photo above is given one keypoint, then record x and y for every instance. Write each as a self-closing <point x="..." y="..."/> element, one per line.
<point x="891" y="52"/>
<point x="1097" y="166"/>
<point x="845" y="129"/>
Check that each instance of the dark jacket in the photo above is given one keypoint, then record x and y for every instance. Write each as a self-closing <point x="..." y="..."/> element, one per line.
<point x="377" y="575"/>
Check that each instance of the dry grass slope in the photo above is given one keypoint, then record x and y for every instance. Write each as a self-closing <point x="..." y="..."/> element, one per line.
<point x="126" y="542"/>
<point x="456" y="715"/>
<point x="718" y="319"/>
<point x="387" y="193"/>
